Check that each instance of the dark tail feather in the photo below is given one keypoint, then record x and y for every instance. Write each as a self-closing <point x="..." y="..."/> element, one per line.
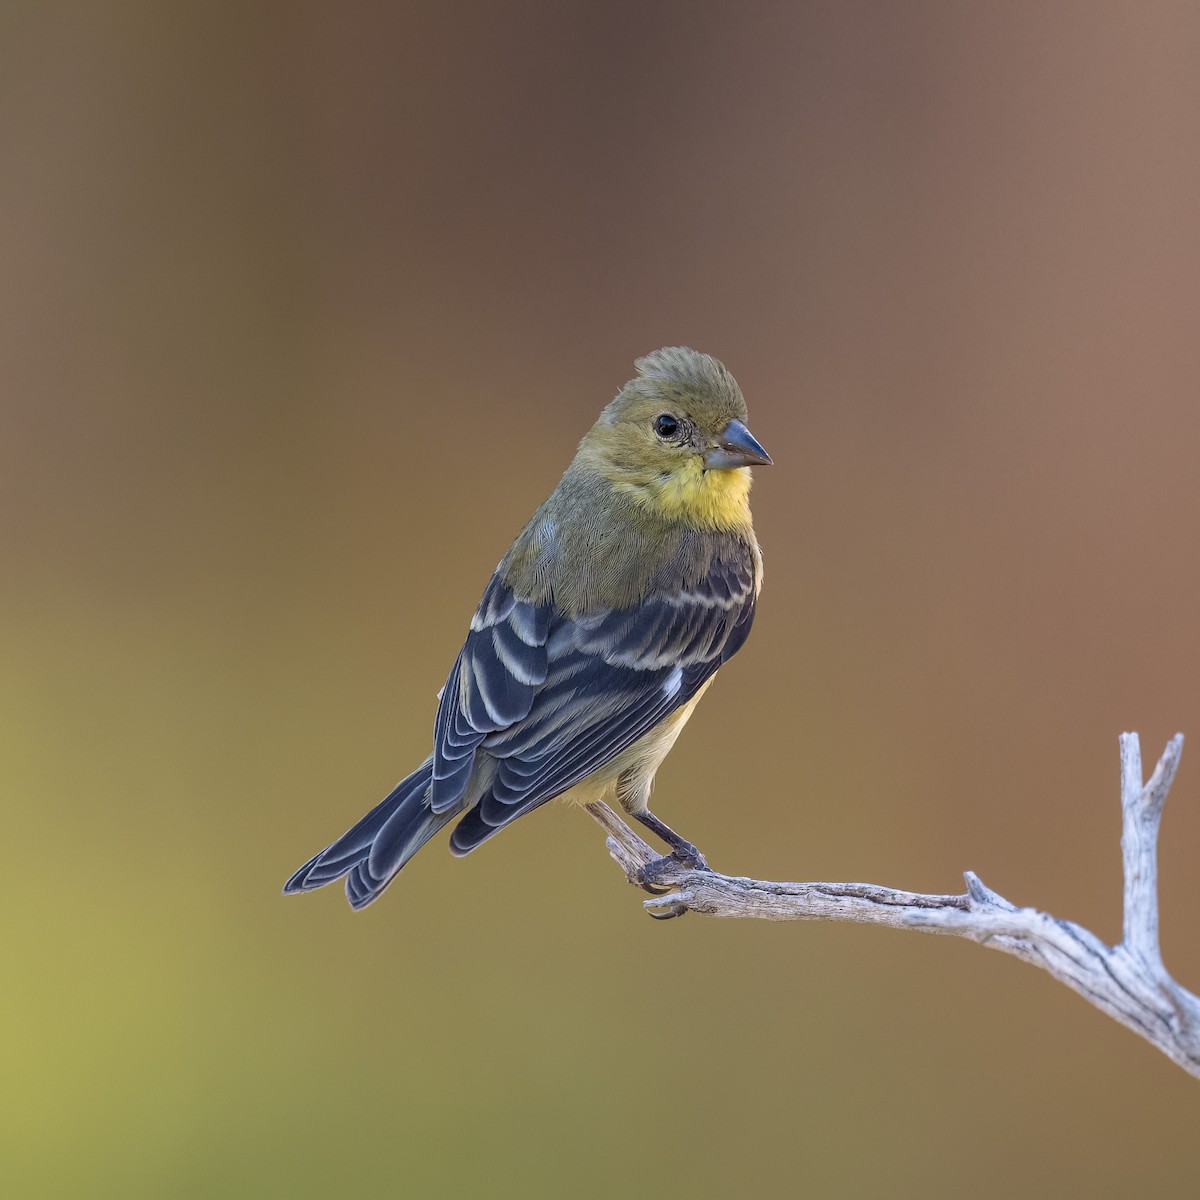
<point x="371" y="853"/>
<point x="475" y="828"/>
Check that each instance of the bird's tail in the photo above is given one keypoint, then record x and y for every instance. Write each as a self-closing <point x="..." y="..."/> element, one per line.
<point x="371" y="853"/>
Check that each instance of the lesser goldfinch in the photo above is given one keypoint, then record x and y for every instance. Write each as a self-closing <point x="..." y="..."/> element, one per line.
<point x="599" y="632"/>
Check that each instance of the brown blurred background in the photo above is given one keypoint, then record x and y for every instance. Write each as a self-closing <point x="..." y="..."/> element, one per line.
<point x="304" y="308"/>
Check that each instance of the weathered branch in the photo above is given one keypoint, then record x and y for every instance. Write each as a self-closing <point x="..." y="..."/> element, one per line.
<point x="1128" y="981"/>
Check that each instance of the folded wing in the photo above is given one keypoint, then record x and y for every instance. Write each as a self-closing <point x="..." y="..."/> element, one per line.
<point x="551" y="699"/>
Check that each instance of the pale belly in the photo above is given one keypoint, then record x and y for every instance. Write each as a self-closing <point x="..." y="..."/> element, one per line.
<point x="628" y="778"/>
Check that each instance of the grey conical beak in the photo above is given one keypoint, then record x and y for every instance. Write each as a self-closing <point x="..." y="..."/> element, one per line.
<point x="736" y="446"/>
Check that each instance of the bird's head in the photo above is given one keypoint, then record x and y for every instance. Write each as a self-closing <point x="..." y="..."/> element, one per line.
<point x="675" y="438"/>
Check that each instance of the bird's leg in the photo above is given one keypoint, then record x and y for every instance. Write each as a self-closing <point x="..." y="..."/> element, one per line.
<point x="682" y="851"/>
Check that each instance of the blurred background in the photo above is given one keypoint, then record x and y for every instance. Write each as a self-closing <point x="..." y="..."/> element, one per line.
<point x="304" y="308"/>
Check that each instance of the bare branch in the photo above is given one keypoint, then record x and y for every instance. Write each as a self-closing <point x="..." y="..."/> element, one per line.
<point x="1127" y="981"/>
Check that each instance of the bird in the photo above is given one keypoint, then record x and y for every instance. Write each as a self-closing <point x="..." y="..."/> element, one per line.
<point x="596" y="637"/>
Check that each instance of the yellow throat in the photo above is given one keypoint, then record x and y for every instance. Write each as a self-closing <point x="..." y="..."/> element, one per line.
<point x="713" y="499"/>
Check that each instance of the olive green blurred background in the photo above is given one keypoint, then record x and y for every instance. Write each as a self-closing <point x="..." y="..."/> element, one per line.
<point x="304" y="308"/>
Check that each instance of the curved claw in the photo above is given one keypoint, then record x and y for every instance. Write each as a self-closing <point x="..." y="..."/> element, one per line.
<point x="672" y="911"/>
<point x="652" y="888"/>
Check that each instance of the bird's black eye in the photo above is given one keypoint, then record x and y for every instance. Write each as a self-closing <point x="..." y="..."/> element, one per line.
<point x="665" y="425"/>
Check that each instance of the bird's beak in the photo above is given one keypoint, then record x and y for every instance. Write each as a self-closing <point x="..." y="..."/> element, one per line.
<point x="736" y="446"/>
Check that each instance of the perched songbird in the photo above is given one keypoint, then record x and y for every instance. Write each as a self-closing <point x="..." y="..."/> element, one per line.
<point x="601" y="629"/>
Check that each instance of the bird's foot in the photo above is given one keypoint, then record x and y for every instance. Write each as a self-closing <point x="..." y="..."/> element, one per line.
<point x="660" y="877"/>
<point x="648" y="877"/>
<point x="656" y="876"/>
<point x="688" y="856"/>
